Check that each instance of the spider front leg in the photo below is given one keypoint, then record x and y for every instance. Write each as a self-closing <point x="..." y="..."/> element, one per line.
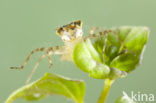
<point x="28" y="58"/>
<point x="52" y="50"/>
<point x="30" y="55"/>
<point x="92" y="31"/>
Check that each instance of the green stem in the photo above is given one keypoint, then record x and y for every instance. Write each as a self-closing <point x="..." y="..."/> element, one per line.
<point x="105" y="91"/>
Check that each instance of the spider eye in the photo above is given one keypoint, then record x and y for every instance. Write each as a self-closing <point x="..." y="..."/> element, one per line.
<point x="70" y="31"/>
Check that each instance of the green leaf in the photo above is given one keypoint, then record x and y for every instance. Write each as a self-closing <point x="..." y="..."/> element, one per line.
<point x="89" y="60"/>
<point x="124" y="99"/>
<point x="123" y="51"/>
<point x="82" y="57"/>
<point x="134" y="40"/>
<point x="100" y="71"/>
<point x="125" y="62"/>
<point x="50" y="84"/>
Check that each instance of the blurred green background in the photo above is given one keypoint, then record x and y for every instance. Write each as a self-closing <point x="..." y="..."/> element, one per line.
<point x="28" y="24"/>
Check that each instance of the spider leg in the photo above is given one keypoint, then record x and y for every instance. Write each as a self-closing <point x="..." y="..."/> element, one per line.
<point x="50" y="51"/>
<point x="28" y="58"/>
<point x="105" y="32"/>
<point x="50" y="61"/>
<point x="104" y="46"/>
<point x="92" y="31"/>
<point x="35" y="68"/>
<point x="101" y="33"/>
<point x="54" y="50"/>
<point x="123" y="47"/>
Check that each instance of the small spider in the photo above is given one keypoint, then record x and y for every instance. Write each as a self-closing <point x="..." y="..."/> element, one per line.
<point x="71" y="34"/>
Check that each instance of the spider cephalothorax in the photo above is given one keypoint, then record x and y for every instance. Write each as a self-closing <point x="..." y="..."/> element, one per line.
<point x="70" y="31"/>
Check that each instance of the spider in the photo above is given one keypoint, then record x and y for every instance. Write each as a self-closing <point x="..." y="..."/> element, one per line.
<point x="71" y="34"/>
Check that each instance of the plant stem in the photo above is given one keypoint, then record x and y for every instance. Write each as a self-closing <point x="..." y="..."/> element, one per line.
<point x="105" y="91"/>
